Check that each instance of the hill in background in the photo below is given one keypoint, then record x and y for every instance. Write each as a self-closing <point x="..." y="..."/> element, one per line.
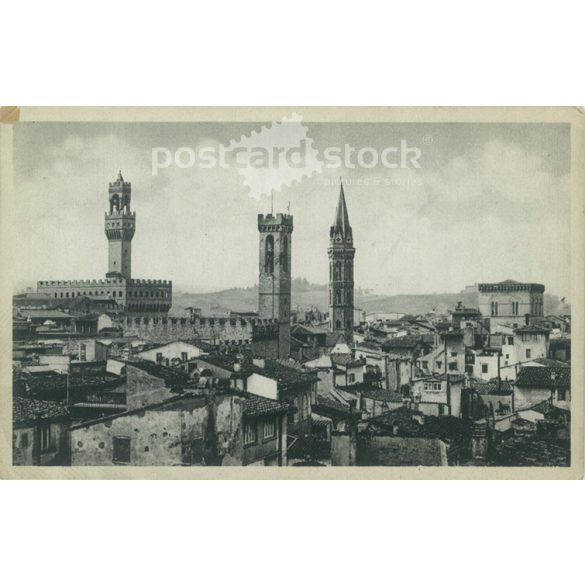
<point x="305" y="294"/>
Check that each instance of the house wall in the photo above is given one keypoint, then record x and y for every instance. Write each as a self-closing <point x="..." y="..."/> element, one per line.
<point x="59" y="363"/>
<point x="262" y="386"/>
<point x="342" y="378"/>
<point x="526" y="397"/>
<point x="343" y="449"/>
<point x="143" y="389"/>
<point x="31" y="454"/>
<point x="266" y="451"/>
<point x="167" y="437"/>
<point x="171" y="351"/>
<point x="398" y="451"/>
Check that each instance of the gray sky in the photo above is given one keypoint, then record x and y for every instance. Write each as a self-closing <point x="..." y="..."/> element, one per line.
<point x="490" y="202"/>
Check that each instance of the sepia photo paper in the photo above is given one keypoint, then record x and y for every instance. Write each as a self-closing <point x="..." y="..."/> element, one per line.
<point x="292" y="293"/>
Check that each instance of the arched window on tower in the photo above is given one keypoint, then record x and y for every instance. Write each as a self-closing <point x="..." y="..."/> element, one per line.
<point x="338" y="297"/>
<point x="284" y="261"/>
<point x="338" y="271"/>
<point x="269" y="255"/>
<point x="348" y="275"/>
<point x="338" y="324"/>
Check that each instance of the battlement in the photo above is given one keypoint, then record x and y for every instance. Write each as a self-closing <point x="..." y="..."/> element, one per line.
<point x="511" y="286"/>
<point x="269" y="220"/>
<point x="141" y="281"/>
<point x="76" y="283"/>
<point x="120" y="214"/>
<point x="162" y="329"/>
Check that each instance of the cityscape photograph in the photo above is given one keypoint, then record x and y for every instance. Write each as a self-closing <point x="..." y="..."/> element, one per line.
<point x="292" y="294"/>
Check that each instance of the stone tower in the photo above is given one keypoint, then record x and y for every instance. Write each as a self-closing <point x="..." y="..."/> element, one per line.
<point x="120" y="227"/>
<point x="341" y="254"/>
<point x="275" y="274"/>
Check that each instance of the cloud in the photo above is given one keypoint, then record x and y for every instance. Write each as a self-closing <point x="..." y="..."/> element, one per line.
<point x="493" y="211"/>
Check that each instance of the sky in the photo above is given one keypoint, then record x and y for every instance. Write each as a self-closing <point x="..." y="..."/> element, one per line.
<point x="489" y="202"/>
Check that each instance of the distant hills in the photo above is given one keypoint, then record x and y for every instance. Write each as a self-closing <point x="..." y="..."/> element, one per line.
<point x="306" y="294"/>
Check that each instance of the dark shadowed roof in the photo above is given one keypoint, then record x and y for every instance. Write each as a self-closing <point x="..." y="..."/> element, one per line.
<point x="27" y="410"/>
<point x="544" y="377"/>
<point x="260" y="406"/>
<point x="405" y="342"/>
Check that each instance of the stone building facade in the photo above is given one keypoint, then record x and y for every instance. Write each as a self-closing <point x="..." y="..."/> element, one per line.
<point x="132" y="295"/>
<point x="511" y="303"/>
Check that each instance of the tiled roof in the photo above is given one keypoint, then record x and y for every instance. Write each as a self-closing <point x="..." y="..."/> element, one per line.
<point x="345" y="360"/>
<point x="406" y="342"/>
<point x="260" y="406"/>
<point x="26" y="410"/>
<point x="374" y="393"/>
<point x="44" y="314"/>
<point x="325" y="404"/>
<point x="531" y="329"/>
<point x="171" y="376"/>
<point x="544" y="377"/>
<point x="551" y="363"/>
<point x="284" y="373"/>
<point x="369" y="345"/>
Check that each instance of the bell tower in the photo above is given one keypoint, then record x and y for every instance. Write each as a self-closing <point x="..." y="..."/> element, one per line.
<point x="275" y="274"/>
<point x="341" y="254"/>
<point x="120" y="227"/>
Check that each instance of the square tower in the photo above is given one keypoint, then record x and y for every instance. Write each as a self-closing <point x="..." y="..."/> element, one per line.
<point x="274" y="296"/>
<point x="120" y="225"/>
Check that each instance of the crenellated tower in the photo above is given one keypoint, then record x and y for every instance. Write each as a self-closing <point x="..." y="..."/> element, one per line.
<point x="120" y="228"/>
<point x="274" y="292"/>
<point x="341" y="255"/>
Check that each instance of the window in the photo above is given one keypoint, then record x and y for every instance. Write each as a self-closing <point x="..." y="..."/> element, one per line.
<point x="159" y="357"/>
<point x="561" y="395"/>
<point x="269" y="430"/>
<point x="452" y="366"/>
<point x="285" y="254"/>
<point x="338" y="271"/>
<point x="121" y="450"/>
<point x="494" y="309"/>
<point x="351" y="378"/>
<point x="528" y="354"/>
<point x="269" y="255"/>
<point x="45" y="432"/>
<point x="437" y="386"/>
<point x="24" y="440"/>
<point x="183" y="356"/>
<point x="484" y="368"/>
<point x="249" y="433"/>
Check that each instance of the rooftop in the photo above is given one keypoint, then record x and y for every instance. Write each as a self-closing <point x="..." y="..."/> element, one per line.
<point x="260" y="406"/>
<point x="544" y="377"/>
<point x="28" y="410"/>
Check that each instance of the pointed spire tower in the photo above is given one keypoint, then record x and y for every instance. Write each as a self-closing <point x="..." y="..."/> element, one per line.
<point x="341" y="255"/>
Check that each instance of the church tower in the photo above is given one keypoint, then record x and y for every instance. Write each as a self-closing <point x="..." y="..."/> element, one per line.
<point x="120" y="227"/>
<point x="341" y="253"/>
<point x="275" y="274"/>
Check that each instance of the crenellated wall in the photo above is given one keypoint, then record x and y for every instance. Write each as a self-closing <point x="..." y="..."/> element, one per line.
<point x="216" y="330"/>
<point x="134" y="295"/>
